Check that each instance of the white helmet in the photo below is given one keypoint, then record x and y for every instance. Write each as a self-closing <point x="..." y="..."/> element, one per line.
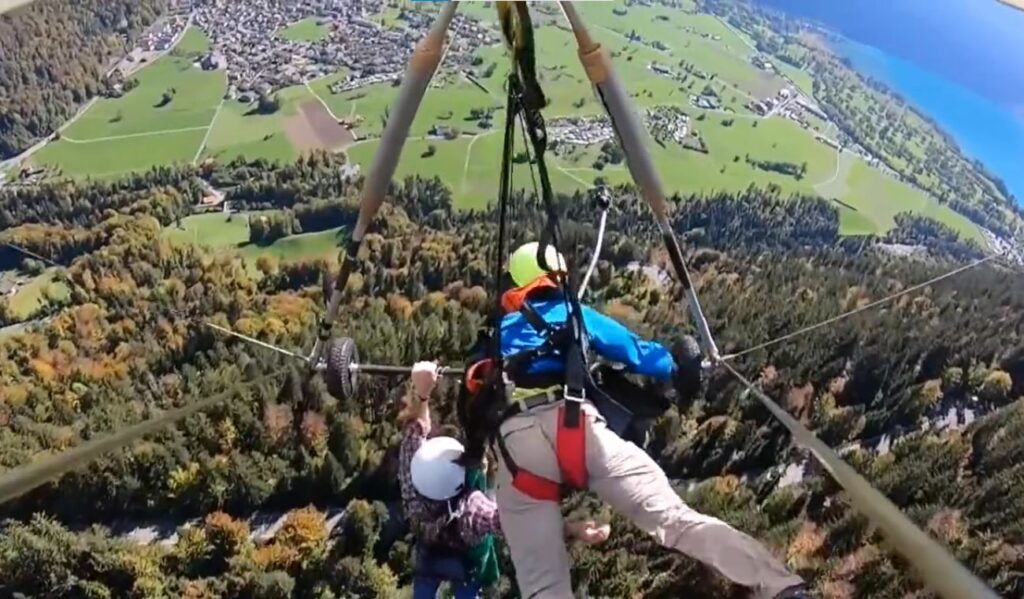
<point x="434" y="471"/>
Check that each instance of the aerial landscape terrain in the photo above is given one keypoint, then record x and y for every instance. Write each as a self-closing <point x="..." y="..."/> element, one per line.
<point x="165" y="164"/>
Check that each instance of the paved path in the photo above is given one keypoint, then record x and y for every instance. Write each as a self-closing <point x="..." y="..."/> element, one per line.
<point x="322" y="102"/>
<point x="469" y="153"/>
<point x="131" y="135"/>
<point x="13" y="162"/>
<point x="209" y="129"/>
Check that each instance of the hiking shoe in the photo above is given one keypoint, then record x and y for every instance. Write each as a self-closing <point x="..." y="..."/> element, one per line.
<point x="798" y="591"/>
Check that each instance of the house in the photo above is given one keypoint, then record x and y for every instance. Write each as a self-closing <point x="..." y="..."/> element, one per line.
<point x="349" y="172"/>
<point x="211" y="199"/>
<point x="660" y="69"/>
<point x="214" y="61"/>
<point x="442" y="131"/>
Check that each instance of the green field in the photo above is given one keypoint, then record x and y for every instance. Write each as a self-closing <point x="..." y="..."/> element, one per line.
<point x="194" y="43"/>
<point x="197" y="94"/>
<point x="216" y="231"/>
<point x="115" y="157"/>
<point x="139" y="130"/>
<point x="448" y="106"/>
<point x="304" y="246"/>
<point x="239" y="131"/>
<point x="211" y="229"/>
<point x="307" y="30"/>
<point x="32" y="295"/>
<point x="131" y="133"/>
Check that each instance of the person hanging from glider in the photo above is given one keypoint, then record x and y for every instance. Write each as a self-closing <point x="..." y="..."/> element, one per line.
<point x="454" y="521"/>
<point x="555" y="430"/>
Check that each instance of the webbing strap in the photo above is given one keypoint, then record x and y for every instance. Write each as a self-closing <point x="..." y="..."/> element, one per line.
<point x="536" y="487"/>
<point x="571" y="453"/>
<point x="536" y="321"/>
<point x="571" y="448"/>
<point x="576" y="364"/>
<point x="504" y="195"/>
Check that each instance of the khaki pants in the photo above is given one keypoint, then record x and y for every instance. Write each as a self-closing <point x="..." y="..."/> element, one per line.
<point x="625" y="477"/>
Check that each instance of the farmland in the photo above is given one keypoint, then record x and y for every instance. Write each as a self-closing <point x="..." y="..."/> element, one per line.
<point x="136" y="132"/>
<point x="162" y="121"/>
<point x="470" y="163"/>
<point x="241" y="131"/>
<point x="218" y="231"/>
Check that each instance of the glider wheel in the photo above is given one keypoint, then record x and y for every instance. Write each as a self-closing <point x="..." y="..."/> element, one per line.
<point x="342" y="382"/>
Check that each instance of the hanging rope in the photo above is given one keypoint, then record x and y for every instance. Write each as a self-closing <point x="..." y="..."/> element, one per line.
<point x="863" y="308"/>
<point x="517" y="29"/>
<point x="597" y="253"/>
<point x="504" y="199"/>
<point x="23" y="479"/>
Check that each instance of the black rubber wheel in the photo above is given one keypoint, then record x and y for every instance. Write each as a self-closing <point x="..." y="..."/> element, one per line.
<point x="342" y="383"/>
<point x="689" y="374"/>
<point x="687" y="349"/>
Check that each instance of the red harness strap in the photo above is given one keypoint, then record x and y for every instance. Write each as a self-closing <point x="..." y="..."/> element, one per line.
<point x="571" y="450"/>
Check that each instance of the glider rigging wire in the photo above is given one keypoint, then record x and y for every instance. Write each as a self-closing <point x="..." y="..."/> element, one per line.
<point x="940" y="570"/>
<point x="23" y="479"/>
<point x="860" y="309"/>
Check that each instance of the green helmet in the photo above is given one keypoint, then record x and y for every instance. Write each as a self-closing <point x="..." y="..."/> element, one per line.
<point x="523" y="266"/>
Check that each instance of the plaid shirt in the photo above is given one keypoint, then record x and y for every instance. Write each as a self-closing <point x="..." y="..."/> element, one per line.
<point x="473" y="517"/>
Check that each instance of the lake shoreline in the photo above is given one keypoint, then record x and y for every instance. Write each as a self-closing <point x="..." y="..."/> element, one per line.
<point x="978" y="127"/>
<point x="984" y="128"/>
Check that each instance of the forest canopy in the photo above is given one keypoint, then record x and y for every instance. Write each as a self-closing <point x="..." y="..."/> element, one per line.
<point x="129" y="342"/>
<point x="53" y="58"/>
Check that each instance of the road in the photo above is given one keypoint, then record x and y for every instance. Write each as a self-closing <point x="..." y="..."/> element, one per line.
<point x="262" y="527"/>
<point x="21" y="327"/>
<point x="13" y="162"/>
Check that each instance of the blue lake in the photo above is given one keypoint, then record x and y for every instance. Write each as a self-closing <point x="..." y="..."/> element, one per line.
<point x="982" y="128"/>
<point x="957" y="61"/>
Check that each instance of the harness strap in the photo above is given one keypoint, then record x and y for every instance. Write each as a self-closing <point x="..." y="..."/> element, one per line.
<point x="528" y="483"/>
<point x="571" y="447"/>
<point x="570" y="451"/>
<point x="575" y="363"/>
<point x="536" y="320"/>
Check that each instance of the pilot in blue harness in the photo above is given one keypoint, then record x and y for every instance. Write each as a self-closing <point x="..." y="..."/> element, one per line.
<point x="555" y="430"/>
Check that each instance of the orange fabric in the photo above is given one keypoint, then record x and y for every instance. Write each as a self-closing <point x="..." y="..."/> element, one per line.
<point x="474" y="380"/>
<point x="571" y="450"/>
<point x="513" y="299"/>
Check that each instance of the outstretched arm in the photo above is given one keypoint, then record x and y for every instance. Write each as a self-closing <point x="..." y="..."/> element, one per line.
<point x="480" y="518"/>
<point x="615" y="342"/>
<point x="415" y="420"/>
